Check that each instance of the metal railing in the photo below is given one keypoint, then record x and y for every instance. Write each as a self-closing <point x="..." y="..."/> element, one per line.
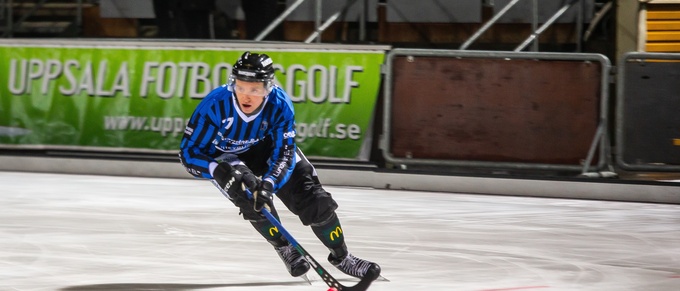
<point x="3" y="8"/>
<point x="532" y="39"/>
<point x="11" y="26"/>
<point x="6" y="14"/>
<point x="536" y="31"/>
<point x="319" y="26"/>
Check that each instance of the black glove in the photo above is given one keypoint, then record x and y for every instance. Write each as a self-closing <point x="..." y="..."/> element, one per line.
<point x="262" y="197"/>
<point x="250" y="181"/>
<point x="230" y="179"/>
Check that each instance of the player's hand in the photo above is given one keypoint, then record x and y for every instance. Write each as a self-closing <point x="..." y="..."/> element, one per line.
<point x="249" y="180"/>
<point x="262" y="197"/>
<point x="227" y="177"/>
<point x="230" y="178"/>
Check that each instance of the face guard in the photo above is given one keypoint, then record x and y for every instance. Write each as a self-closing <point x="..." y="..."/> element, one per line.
<point x="252" y="67"/>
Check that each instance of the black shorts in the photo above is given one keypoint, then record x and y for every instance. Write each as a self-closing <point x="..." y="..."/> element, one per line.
<point x="302" y="194"/>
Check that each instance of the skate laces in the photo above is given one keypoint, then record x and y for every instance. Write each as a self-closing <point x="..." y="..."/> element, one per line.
<point x="294" y="261"/>
<point x="289" y="254"/>
<point x="354" y="266"/>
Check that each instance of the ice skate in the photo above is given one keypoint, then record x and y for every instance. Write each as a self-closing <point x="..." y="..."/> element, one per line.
<point x="295" y="263"/>
<point x="355" y="267"/>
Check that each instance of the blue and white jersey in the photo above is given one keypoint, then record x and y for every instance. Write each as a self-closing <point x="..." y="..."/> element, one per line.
<point x="218" y="126"/>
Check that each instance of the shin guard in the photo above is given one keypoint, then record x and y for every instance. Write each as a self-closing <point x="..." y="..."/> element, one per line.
<point x="269" y="231"/>
<point x="330" y="234"/>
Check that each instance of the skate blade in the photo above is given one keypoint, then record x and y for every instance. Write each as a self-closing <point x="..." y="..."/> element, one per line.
<point x="306" y="278"/>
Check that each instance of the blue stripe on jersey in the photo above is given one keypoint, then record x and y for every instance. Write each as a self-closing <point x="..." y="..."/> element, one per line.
<point x="216" y="127"/>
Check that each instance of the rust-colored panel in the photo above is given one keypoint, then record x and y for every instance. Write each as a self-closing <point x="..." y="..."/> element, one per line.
<point x="533" y="111"/>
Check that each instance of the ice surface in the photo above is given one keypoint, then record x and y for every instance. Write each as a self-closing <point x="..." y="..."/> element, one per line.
<point x="79" y="232"/>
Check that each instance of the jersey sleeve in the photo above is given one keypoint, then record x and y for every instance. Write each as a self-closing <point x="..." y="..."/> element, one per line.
<point x="284" y="147"/>
<point x="196" y="143"/>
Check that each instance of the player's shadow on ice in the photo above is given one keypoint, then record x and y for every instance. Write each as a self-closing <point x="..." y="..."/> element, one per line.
<point x="169" y="287"/>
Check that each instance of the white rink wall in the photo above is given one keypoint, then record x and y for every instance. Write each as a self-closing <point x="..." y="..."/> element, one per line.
<point x="595" y="189"/>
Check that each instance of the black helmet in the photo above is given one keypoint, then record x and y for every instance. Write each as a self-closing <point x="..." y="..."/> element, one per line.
<point x="252" y="67"/>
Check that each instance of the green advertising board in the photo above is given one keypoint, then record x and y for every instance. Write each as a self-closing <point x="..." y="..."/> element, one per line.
<point x="138" y="98"/>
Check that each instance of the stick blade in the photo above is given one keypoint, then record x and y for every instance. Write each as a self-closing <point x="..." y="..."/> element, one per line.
<point x="372" y="274"/>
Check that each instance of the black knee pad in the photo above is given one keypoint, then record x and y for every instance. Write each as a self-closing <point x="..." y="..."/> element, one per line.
<point x="318" y="207"/>
<point x="305" y="197"/>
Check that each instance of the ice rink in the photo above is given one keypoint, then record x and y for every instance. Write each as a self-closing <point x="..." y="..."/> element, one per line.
<point x="79" y="232"/>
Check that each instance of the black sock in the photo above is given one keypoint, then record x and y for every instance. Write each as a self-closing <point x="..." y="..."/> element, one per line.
<point x="269" y="231"/>
<point x="330" y="234"/>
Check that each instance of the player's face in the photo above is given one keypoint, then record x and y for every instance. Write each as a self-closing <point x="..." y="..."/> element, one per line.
<point x="250" y="95"/>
